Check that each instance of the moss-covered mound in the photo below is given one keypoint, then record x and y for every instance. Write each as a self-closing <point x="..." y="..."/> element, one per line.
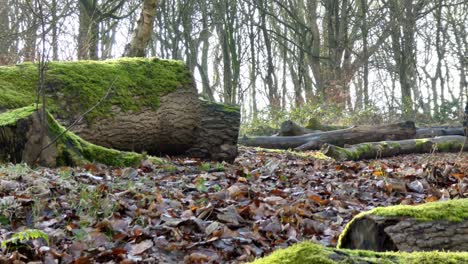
<point x="73" y="87"/>
<point x="451" y="210"/>
<point x="431" y="226"/>
<point x="307" y="252"/>
<point x="17" y="127"/>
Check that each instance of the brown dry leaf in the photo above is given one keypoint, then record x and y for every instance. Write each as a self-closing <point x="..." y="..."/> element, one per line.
<point x="140" y="248"/>
<point x="318" y="199"/>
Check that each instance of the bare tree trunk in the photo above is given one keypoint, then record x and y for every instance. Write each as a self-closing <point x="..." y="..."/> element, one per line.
<point x="4" y="31"/>
<point x="142" y="34"/>
<point x="83" y="36"/>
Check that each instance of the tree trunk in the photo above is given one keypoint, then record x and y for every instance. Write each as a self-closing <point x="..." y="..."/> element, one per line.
<point x="152" y="106"/>
<point x="426" y="227"/>
<point x="142" y="34"/>
<point x="431" y="132"/>
<point x="340" y="137"/>
<point x="24" y="139"/>
<point x="373" y="150"/>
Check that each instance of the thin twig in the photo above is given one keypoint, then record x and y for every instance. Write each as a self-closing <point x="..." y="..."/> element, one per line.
<point x="79" y="119"/>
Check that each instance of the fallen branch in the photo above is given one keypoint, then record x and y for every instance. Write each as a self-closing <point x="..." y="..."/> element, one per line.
<point x="382" y="149"/>
<point x="340" y="137"/>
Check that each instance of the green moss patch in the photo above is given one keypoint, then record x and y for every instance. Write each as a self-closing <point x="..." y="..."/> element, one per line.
<point x="10" y="117"/>
<point x="74" y="87"/>
<point x="452" y="210"/>
<point x="307" y="252"/>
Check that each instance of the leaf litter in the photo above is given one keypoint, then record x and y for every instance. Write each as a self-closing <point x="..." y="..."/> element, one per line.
<point x="189" y="211"/>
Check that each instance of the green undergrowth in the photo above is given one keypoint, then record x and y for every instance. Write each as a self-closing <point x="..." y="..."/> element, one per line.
<point x="74" y="87"/>
<point x="307" y="252"/>
<point x="451" y="210"/>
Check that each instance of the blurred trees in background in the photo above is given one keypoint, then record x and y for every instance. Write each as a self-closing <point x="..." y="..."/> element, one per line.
<point x="400" y="59"/>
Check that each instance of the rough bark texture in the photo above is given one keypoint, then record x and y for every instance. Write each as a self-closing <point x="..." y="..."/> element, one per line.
<point x="214" y="139"/>
<point x="372" y="150"/>
<point x="152" y="106"/>
<point x="167" y="130"/>
<point x="340" y="137"/>
<point x="380" y="233"/>
<point x="438" y="131"/>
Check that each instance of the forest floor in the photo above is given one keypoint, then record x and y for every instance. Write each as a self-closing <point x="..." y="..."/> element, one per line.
<point x="195" y="212"/>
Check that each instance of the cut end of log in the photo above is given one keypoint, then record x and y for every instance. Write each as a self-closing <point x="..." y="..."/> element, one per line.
<point x="426" y="227"/>
<point x="366" y="233"/>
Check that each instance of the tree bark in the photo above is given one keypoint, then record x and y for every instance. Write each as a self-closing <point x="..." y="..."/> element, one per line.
<point x="153" y="106"/>
<point x="142" y="34"/>
<point x="382" y="149"/>
<point x="340" y="137"/>
<point x="438" y="131"/>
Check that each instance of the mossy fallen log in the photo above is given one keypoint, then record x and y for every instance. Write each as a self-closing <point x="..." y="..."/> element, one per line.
<point x="382" y="149"/>
<point x="426" y="227"/>
<point x="152" y="106"/>
<point x="307" y="252"/>
<point x="23" y="138"/>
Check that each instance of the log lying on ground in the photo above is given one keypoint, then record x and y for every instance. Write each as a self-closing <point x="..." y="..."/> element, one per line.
<point x="372" y="150"/>
<point x="23" y="138"/>
<point x="307" y="252"/>
<point x="289" y="128"/>
<point x="153" y="105"/>
<point x="340" y="137"/>
<point x="430" y="226"/>
<point x="438" y="131"/>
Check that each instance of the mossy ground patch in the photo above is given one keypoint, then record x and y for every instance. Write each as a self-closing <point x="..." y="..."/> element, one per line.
<point x="307" y="252"/>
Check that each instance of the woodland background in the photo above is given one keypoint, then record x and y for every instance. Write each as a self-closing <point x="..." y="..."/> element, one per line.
<point x="370" y="60"/>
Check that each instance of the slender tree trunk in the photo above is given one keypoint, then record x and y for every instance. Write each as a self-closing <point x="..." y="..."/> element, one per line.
<point x="4" y="31"/>
<point x="365" y="32"/>
<point x="271" y="85"/>
<point x="83" y="35"/>
<point x="142" y="34"/>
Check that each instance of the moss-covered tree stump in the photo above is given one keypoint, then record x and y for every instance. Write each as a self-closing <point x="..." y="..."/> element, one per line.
<point x="307" y="252"/>
<point x="23" y="138"/>
<point x="152" y="105"/>
<point x="426" y="227"/>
